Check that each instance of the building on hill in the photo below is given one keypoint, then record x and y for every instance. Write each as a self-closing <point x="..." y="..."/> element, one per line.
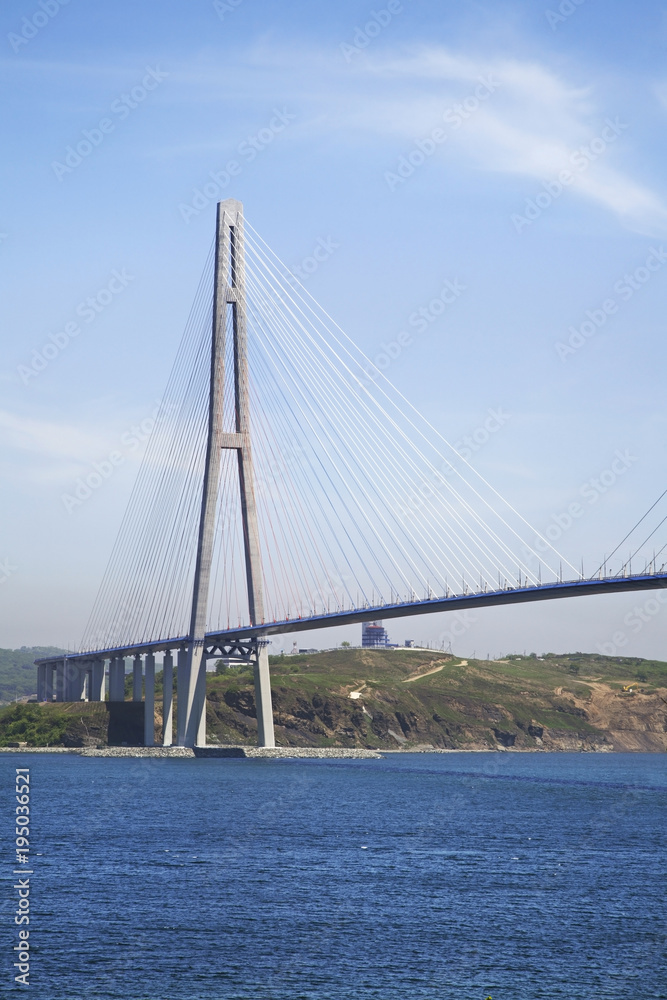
<point x="374" y="636"/>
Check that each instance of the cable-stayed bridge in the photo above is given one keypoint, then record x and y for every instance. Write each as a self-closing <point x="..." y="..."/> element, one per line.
<point x="288" y="486"/>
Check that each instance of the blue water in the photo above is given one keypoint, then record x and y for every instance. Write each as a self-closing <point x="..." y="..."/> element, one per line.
<point x="447" y="877"/>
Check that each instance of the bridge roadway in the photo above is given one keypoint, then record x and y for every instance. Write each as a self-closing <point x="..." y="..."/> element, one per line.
<point x="228" y="641"/>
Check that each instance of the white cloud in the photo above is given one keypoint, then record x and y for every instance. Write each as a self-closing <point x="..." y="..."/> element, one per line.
<point x="47" y="439"/>
<point x="43" y="451"/>
<point x="531" y="125"/>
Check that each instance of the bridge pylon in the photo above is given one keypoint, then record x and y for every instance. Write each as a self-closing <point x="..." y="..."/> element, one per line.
<point x="229" y="318"/>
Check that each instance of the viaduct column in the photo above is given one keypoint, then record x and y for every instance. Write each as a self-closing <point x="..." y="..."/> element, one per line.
<point x="97" y="681"/>
<point x="41" y="682"/>
<point x="117" y="679"/>
<point x="149" y="701"/>
<point x="75" y="676"/>
<point x="183" y="694"/>
<point x="167" y="698"/>
<point x="48" y="683"/>
<point x="137" y="678"/>
<point x="60" y="680"/>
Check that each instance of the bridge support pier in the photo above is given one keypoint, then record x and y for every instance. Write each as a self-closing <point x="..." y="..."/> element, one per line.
<point x="74" y="680"/>
<point x="192" y="701"/>
<point x="41" y="681"/>
<point x="191" y="704"/>
<point x="182" y="686"/>
<point x="167" y="698"/>
<point x="117" y="679"/>
<point x="60" y="680"/>
<point x="96" y="692"/>
<point x="149" y="701"/>
<point x="87" y="682"/>
<point x="48" y="683"/>
<point x="263" y="701"/>
<point x="137" y="679"/>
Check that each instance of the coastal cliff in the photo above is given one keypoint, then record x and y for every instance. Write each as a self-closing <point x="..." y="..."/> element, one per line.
<point x="406" y="699"/>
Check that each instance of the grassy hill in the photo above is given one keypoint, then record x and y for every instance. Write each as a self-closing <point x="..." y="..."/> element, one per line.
<point x="407" y="698"/>
<point x="18" y="673"/>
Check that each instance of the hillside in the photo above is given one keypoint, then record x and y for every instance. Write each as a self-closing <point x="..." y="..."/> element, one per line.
<point x="18" y="673"/>
<point x="407" y="698"/>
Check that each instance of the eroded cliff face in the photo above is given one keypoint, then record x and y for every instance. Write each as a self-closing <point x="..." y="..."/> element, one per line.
<point x="394" y="701"/>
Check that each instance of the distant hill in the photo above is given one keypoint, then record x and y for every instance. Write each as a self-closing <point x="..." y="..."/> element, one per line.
<point x="18" y="673"/>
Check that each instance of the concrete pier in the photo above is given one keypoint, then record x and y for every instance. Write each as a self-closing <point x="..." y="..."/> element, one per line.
<point x="265" y="733"/>
<point x="167" y="698"/>
<point x="149" y="701"/>
<point x="182" y="684"/>
<point x="136" y="679"/>
<point x="97" y="681"/>
<point x="41" y="681"/>
<point x="60" y="680"/>
<point x="48" y="683"/>
<point x="75" y="676"/>
<point x="117" y="679"/>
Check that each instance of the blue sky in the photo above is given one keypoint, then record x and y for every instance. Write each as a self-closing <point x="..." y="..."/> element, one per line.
<point x="511" y="147"/>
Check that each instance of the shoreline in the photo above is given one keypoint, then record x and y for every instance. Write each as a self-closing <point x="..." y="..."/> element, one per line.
<point x="240" y="752"/>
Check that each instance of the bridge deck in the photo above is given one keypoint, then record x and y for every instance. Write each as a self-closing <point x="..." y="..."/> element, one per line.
<point x="458" y="602"/>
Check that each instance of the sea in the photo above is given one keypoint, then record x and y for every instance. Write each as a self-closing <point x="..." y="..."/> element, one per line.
<point x="455" y="876"/>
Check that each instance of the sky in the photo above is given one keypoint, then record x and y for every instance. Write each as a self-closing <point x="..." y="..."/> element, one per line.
<point x="515" y="148"/>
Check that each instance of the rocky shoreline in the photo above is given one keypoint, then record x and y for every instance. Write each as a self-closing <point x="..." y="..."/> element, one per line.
<point x="248" y="752"/>
<point x="210" y="751"/>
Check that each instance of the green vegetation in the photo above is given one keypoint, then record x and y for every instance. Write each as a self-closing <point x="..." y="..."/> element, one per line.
<point x="18" y="673"/>
<point x="32" y="725"/>
<point x="70" y="724"/>
<point x="521" y="701"/>
<point x="405" y="698"/>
